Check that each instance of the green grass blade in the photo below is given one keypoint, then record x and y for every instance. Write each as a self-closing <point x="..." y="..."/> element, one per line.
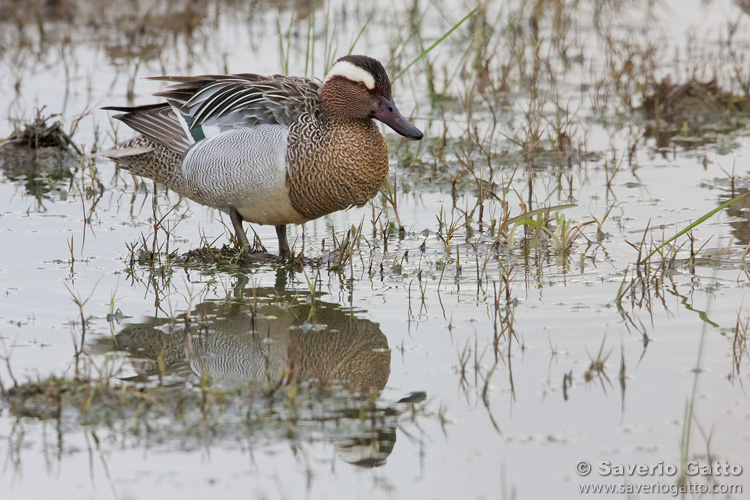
<point x="435" y="44"/>
<point x="537" y="212"/>
<point x="694" y="224"/>
<point x="359" y="35"/>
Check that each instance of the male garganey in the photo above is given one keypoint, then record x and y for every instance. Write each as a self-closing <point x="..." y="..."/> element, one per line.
<point x="268" y="149"/>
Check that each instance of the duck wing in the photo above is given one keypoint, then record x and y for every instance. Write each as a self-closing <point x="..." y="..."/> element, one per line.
<point x="212" y="104"/>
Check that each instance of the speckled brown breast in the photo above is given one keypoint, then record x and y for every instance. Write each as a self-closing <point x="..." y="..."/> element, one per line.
<point x="333" y="166"/>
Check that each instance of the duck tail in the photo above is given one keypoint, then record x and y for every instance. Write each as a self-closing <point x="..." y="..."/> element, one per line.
<point x="159" y="122"/>
<point x="158" y="151"/>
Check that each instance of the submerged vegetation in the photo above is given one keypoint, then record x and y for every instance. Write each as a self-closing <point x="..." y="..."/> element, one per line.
<point x="574" y="224"/>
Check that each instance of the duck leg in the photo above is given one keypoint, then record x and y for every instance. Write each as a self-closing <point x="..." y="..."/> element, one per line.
<point x="283" y="243"/>
<point x="239" y="231"/>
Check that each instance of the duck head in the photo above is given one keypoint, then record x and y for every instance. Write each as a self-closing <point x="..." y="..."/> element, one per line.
<point x="357" y="87"/>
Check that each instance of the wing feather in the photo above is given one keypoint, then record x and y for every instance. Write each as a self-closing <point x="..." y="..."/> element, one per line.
<point x="158" y="122"/>
<point x="240" y="100"/>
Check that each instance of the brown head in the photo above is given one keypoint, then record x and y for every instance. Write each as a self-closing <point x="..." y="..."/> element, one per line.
<point x="358" y="88"/>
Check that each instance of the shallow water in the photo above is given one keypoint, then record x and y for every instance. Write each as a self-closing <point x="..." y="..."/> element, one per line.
<point x="484" y="382"/>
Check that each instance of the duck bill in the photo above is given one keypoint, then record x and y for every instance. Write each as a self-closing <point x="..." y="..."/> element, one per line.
<point x="389" y="114"/>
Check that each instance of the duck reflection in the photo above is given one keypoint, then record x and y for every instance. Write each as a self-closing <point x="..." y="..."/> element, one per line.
<point x="268" y="338"/>
<point x="265" y="339"/>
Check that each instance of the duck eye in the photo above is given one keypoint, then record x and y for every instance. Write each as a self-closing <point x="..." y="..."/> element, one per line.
<point x="361" y="84"/>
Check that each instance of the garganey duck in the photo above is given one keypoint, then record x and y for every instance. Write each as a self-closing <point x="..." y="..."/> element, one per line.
<point x="272" y="150"/>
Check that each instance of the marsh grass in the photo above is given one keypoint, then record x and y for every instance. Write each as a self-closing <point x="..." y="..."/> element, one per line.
<point x="689" y="416"/>
<point x="687" y="229"/>
<point x="739" y="346"/>
<point x="78" y="344"/>
<point x="597" y="366"/>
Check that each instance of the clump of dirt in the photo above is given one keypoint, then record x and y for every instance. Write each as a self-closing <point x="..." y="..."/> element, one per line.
<point x="692" y="102"/>
<point x="39" y="135"/>
<point x="226" y="256"/>
<point x="209" y="255"/>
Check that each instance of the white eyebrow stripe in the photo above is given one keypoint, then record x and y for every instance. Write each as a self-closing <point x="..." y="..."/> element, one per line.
<point x="352" y="72"/>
